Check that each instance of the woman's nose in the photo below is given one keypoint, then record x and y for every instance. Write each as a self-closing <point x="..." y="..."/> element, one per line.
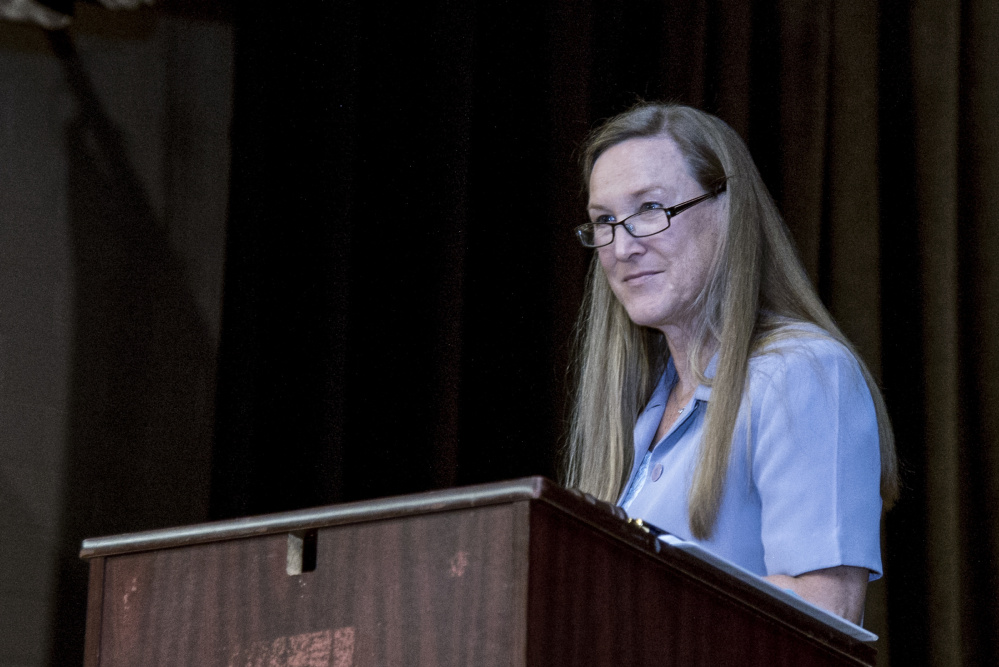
<point x="625" y="245"/>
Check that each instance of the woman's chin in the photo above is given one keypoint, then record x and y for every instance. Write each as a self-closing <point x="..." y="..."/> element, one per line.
<point x="645" y="318"/>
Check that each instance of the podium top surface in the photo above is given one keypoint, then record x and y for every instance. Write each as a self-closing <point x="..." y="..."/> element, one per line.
<point x="601" y="515"/>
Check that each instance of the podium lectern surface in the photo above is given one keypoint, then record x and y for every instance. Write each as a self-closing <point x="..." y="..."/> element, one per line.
<point x="513" y="573"/>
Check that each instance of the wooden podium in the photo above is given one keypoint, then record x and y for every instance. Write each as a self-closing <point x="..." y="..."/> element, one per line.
<point x="514" y="573"/>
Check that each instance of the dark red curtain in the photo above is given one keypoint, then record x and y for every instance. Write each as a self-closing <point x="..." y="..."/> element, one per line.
<point x="401" y="280"/>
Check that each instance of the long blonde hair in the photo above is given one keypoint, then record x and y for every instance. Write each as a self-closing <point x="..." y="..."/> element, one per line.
<point x="757" y="287"/>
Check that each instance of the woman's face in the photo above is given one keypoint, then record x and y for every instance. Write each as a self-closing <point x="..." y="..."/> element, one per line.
<point x="657" y="278"/>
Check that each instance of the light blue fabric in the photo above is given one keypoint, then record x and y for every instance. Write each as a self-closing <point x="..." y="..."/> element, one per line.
<point x="803" y="485"/>
<point x="637" y="482"/>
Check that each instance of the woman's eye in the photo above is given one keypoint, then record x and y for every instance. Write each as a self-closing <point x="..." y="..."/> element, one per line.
<point x="604" y="218"/>
<point x="650" y="206"/>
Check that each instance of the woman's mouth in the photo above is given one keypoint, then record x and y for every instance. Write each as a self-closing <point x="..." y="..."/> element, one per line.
<point x="638" y="277"/>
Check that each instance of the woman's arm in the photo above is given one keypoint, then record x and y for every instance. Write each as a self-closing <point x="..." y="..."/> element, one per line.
<point x="817" y="468"/>
<point x="840" y="590"/>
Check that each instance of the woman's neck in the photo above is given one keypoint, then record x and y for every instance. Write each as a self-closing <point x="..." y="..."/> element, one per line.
<point x="680" y="342"/>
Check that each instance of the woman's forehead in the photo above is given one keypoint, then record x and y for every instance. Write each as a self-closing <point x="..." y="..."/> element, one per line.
<point x="638" y="166"/>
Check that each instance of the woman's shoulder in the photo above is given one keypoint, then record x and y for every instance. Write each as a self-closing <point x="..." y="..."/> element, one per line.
<point x="801" y="347"/>
<point x="803" y="365"/>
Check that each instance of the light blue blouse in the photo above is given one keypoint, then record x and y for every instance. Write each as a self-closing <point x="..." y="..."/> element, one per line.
<point x="803" y="485"/>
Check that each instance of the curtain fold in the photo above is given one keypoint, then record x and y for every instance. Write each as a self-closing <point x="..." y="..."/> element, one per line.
<point x="850" y="248"/>
<point x="935" y="37"/>
<point x="977" y="295"/>
<point x="803" y="82"/>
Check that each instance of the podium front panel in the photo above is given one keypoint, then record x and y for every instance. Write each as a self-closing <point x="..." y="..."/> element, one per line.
<point x="438" y="589"/>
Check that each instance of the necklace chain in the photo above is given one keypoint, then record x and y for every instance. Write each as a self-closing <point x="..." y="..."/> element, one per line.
<point x="682" y="403"/>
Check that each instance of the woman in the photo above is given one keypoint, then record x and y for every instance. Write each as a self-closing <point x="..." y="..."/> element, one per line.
<point x="716" y="398"/>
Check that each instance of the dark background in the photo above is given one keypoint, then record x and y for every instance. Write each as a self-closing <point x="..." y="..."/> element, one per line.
<point x="400" y="281"/>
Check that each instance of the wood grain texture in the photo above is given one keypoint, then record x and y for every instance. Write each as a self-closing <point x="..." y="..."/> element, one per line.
<point x="95" y="615"/>
<point x="433" y="590"/>
<point x="596" y="601"/>
<point x="522" y="573"/>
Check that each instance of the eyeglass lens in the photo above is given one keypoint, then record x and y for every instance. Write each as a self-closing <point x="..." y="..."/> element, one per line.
<point x="645" y="223"/>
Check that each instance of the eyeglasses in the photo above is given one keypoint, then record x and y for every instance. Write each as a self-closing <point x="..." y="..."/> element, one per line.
<point x="644" y="223"/>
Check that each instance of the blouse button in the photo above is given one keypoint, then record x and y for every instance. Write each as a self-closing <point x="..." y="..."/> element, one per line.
<point x="657" y="472"/>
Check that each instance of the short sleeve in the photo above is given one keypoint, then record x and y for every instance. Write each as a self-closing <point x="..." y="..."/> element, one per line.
<point x="816" y="461"/>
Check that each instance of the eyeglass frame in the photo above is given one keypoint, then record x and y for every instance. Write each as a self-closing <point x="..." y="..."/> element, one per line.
<point x="669" y="211"/>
